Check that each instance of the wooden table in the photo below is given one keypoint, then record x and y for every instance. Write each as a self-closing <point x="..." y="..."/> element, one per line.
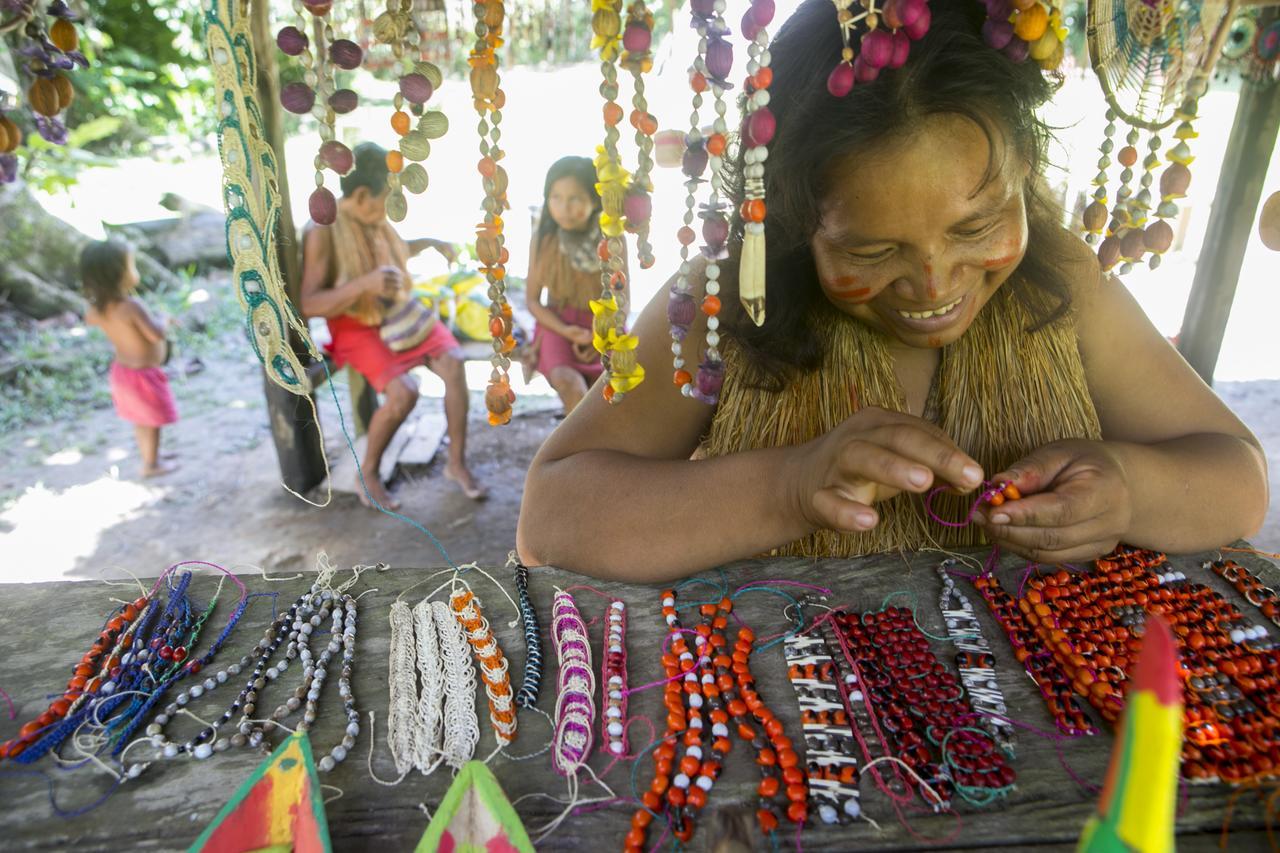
<point x="47" y="626"/>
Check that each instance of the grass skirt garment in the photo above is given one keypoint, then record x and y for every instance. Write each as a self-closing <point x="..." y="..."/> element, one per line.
<point x="1001" y="393"/>
<point x="142" y="395"/>
<point x="361" y="346"/>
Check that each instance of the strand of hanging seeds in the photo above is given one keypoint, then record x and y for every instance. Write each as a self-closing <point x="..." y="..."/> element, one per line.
<point x="609" y="336"/>
<point x="637" y="39"/>
<point x="493" y="255"/>
<point x="758" y="128"/>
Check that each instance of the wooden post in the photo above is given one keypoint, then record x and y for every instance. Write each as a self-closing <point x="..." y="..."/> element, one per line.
<point x="293" y="426"/>
<point x="1235" y="208"/>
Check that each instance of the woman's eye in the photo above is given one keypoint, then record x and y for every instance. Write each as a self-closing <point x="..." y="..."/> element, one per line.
<point x="870" y="258"/>
<point x="973" y="233"/>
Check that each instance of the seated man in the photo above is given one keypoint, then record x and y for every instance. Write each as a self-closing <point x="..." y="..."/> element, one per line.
<point x="354" y="275"/>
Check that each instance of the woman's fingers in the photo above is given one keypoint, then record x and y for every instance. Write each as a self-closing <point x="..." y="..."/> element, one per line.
<point x="838" y="511"/>
<point x="1078" y="552"/>
<point x="866" y="462"/>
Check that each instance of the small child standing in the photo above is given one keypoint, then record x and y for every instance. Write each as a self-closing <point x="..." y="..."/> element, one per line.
<point x="139" y="388"/>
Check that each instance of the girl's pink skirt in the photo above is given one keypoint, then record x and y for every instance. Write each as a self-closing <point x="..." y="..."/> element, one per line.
<point x="142" y="395"/>
<point x="555" y="351"/>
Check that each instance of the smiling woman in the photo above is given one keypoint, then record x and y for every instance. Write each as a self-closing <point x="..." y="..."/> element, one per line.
<point x="929" y="322"/>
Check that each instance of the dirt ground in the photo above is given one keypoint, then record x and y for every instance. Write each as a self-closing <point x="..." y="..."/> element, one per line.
<point x="72" y="507"/>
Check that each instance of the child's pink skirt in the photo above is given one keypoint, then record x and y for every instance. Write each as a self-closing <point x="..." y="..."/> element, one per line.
<point x="142" y="395"/>
<point x="555" y="351"/>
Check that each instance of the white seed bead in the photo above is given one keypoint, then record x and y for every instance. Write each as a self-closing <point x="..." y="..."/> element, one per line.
<point x="203" y="751"/>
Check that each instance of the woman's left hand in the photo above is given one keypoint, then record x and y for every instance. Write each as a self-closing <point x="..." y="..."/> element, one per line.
<point x="1076" y="503"/>
<point x="448" y="250"/>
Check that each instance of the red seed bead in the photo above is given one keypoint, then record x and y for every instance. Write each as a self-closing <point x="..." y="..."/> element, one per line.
<point x="768" y="821"/>
<point x="798" y="812"/>
<point x="768" y="787"/>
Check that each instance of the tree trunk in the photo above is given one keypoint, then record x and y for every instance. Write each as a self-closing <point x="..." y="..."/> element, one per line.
<point x="40" y="258"/>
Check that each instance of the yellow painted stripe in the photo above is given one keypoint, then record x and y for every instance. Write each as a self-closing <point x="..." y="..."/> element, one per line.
<point x="1146" y="811"/>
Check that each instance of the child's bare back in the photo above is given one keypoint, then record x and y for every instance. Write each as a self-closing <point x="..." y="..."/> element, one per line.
<point x="137" y="337"/>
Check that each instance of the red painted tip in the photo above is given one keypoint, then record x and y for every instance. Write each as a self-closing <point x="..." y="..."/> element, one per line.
<point x="1157" y="669"/>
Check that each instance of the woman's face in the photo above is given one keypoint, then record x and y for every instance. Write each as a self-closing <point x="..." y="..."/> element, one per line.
<point x="369" y="209"/>
<point x="912" y="242"/>
<point x="570" y="204"/>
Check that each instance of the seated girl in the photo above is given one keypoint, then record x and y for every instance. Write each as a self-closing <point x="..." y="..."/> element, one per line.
<point x="929" y="323"/>
<point x="354" y="274"/>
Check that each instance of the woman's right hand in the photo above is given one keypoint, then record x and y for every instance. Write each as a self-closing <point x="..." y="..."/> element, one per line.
<point x="580" y="336"/>
<point x="384" y="282"/>
<point x="872" y="456"/>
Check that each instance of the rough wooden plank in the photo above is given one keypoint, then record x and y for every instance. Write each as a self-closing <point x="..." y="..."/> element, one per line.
<point x="47" y="626"/>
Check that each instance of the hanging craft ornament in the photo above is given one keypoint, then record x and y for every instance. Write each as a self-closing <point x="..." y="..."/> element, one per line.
<point x="1026" y="29"/>
<point x="417" y="83"/>
<point x="317" y="94"/>
<point x="617" y="348"/>
<point x="489" y="100"/>
<point x="251" y="196"/>
<point x="1154" y="61"/>
<point x="888" y="30"/>
<point x="637" y="206"/>
<point x="279" y="807"/>
<point x="51" y="47"/>
<point x="1252" y="46"/>
<point x="475" y="815"/>
<point x="758" y="128"/>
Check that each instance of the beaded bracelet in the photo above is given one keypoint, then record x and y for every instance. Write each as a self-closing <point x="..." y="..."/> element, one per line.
<point x="492" y="663"/>
<point x="402" y="708"/>
<point x="613" y="680"/>
<point x="428" y="724"/>
<point x="461" y="726"/>
<point x="975" y="660"/>
<point x="527" y="696"/>
<point x="833" y="769"/>
<point x="1248" y="584"/>
<point x="575" y="703"/>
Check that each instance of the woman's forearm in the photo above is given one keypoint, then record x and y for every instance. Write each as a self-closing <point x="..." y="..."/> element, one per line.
<point x="549" y="320"/>
<point x="332" y="301"/>
<point x="621" y="517"/>
<point x="1194" y="493"/>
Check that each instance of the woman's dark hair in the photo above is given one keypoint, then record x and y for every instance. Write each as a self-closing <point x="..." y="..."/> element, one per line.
<point x="102" y="266"/>
<point x="580" y="169"/>
<point x="370" y="170"/>
<point x="950" y="71"/>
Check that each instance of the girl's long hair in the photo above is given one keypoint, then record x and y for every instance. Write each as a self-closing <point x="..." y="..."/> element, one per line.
<point x="102" y="266"/>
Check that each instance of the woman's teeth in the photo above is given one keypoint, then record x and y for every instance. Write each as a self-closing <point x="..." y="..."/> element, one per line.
<point x="937" y="312"/>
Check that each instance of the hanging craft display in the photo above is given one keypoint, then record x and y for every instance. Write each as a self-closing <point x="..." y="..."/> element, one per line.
<point x="1088" y="624"/>
<point x="832" y="766"/>
<point x="317" y="93"/>
<point x="50" y="46"/>
<point x="617" y="348"/>
<point x="1252" y="45"/>
<point x="758" y="128"/>
<point x="1153" y="61"/>
<point x="1139" y="802"/>
<point x="613" y="680"/>
<point x="1026" y="29"/>
<point x="279" y="807"/>
<point x="418" y="81"/>
<point x="251" y="195"/>
<point x="974" y="660"/>
<point x="489" y="100"/>
<point x="475" y="817"/>
<point x="637" y="58"/>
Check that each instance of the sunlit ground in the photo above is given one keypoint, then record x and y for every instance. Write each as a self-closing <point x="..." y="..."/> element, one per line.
<point x="551" y="113"/>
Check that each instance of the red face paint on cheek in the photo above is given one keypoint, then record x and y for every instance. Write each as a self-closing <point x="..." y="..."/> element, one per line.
<point x="845" y="288"/>
<point x="934" y="341"/>
<point x="930" y="286"/>
<point x="999" y="263"/>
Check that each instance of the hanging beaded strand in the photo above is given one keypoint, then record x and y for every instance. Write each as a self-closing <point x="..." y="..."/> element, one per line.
<point x="758" y="128"/>
<point x="617" y="348"/>
<point x="527" y="696"/>
<point x="492" y="663"/>
<point x="613" y="680"/>
<point x="885" y="43"/>
<point x="637" y="206"/>
<point x="489" y="100"/>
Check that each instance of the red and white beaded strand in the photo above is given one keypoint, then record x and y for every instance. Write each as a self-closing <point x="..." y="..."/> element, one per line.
<point x="613" y="680"/>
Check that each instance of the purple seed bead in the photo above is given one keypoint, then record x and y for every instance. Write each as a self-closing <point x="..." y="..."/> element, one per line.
<point x="695" y="161"/>
<point x="323" y="207"/>
<point x="761" y="127"/>
<point x="901" y="48"/>
<point x="1017" y="49"/>
<point x="916" y="29"/>
<point x="750" y="29"/>
<point x="877" y="49"/>
<point x="637" y="207"/>
<point x="337" y="156"/>
<point x="344" y="101"/>
<point x="710" y="380"/>
<point x="997" y="34"/>
<point x="291" y="40"/>
<point x="416" y="88"/>
<point x="703" y="8"/>
<point x="297" y="98"/>
<point x="840" y="82"/>
<point x="637" y="39"/>
<point x="680" y="312"/>
<point x="719" y="58"/>
<point x="864" y="73"/>
<point x="715" y="231"/>
<point x="763" y="11"/>
<point x="346" y="54"/>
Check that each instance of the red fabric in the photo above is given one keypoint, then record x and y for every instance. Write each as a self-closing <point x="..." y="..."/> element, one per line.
<point x="556" y="351"/>
<point x="361" y="347"/>
<point x="142" y="395"/>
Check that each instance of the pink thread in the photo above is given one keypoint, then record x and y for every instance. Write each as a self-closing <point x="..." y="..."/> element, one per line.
<point x="13" y="715"/>
<point x="1026" y="576"/>
<point x="928" y="506"/>
<point x="780" y="582"/>
<point x="666" y="647"/>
